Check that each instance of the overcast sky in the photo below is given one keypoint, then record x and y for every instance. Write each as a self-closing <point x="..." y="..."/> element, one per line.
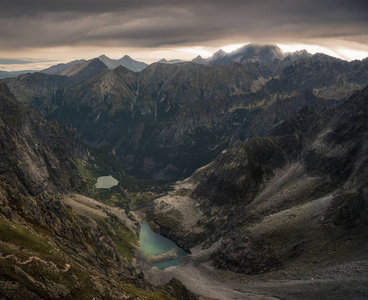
<point x="151" y="29"/>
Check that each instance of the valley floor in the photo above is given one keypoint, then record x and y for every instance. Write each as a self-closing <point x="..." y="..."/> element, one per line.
<point x="344" y="281"/>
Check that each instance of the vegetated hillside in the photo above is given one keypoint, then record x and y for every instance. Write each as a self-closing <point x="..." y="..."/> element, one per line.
<point x="296" y="200"/>
<point x="55" y="243"/>
<point x="168" y="120"/>
<point x="46" y="91"/>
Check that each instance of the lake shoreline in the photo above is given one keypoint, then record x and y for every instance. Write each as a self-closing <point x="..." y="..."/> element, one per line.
<point x="157" y="250"/>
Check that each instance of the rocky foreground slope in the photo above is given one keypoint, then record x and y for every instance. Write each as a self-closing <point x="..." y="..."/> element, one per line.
<point x="55" y="243"/>
<point x="292" y="202"/>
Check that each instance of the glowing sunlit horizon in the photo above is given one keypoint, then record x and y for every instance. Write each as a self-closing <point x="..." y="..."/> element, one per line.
<point x="44" y="59"/>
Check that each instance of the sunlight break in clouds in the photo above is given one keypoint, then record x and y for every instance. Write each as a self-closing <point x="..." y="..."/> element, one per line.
<point x="339" y="52"/>
<point x="351" y="54"/>
<point x="313" y="49"/>
<point x="230" y="48"/>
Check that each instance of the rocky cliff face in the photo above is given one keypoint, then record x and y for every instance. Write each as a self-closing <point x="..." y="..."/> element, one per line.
<point x="293" y="199"/>
<point x="55" y="243"/>
<point x="38" y="157"/>
<point x="168" y="120"/>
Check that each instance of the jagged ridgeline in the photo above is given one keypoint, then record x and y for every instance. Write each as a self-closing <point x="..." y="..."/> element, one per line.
<point x="167" y="120"/>
<point x="54" y="242"/>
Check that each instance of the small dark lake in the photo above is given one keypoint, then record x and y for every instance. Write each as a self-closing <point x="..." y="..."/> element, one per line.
<point x="106" y="182"/>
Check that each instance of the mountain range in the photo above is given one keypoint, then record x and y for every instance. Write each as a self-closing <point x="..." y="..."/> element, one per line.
<point x="264" y="54"/>
<point x="60" y="69"/>
<point x="254" y="161"/>
<point x="244" y="54"/>
<point x="126" y="61"/>
<point x="248" y="53"/>
<point x="169" y="119"/>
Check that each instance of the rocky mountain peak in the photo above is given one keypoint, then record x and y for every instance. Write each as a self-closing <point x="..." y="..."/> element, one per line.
<point x="257" y="48"/>
<point x="200" y="60"/>
<point x="264" y="54"/>
<point x="218" y="54"/>
<point x="125" y="61"/>
<point x="261" y="53"/>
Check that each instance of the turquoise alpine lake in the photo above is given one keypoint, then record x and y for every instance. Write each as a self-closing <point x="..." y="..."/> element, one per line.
<point x="106" y="182"/>
<point x="154" y="245"/>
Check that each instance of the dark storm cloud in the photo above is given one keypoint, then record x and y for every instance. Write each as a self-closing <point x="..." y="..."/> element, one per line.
<point x="151" y="23"/>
